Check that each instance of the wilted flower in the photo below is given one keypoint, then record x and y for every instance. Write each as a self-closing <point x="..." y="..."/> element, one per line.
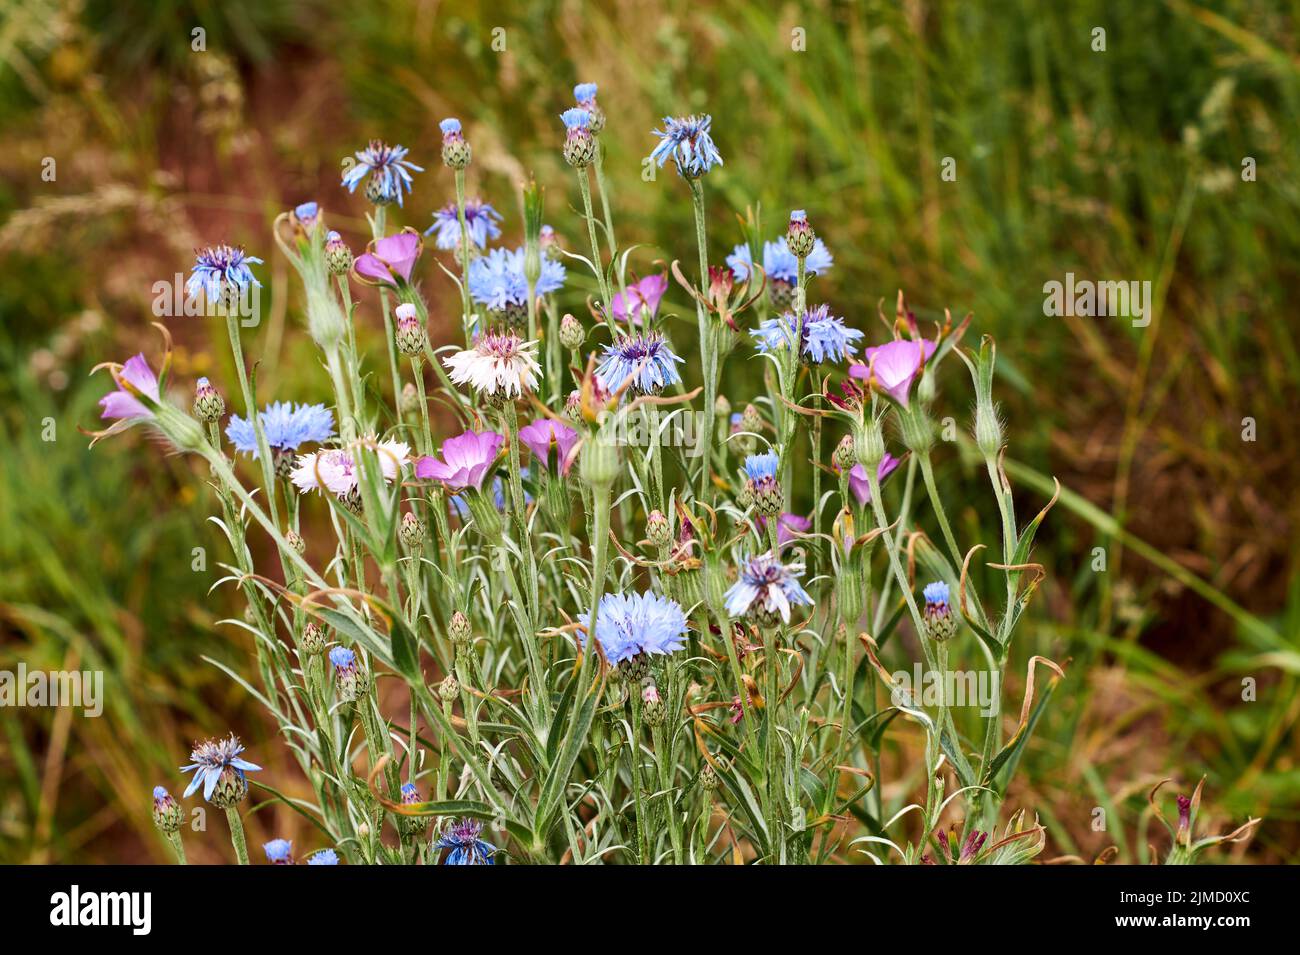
<point x="389" y="171"/>
<point x="122" y="403"/>
<point x="467" y="459"/>
<point x="217" y="761"/>
<point x="894" y="366"/>
<point x="390" y="260"/>
<point x="547" y="434"/>
<point x="641" y="299"/>
<point x="222" y="274"/>
<point x="632" y="624"/>
<point x="646" y="359"/>
<point x="336" y="470"/>
<point x="467" y="848"/>
<point x="278" y="851"/>
<point x="500" y="364"/>
<point x="687" y="141"/>
<point x="861" y="487"/>
<point x="480" y="222"/>
<point x="824" y="337"/>
<point x="767" y="588"/>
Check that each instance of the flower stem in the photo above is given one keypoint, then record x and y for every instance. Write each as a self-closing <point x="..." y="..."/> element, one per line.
<point x="708" y="357"/>
<point x="237" y="835"/>
<point x="584" y="186"/>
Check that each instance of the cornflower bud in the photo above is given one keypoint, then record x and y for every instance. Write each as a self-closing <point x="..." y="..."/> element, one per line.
<point x="410" y="400"/>
<point x="411" y="531"/>
<point x="652" y="707"/>
<point x="209" y="406"/>
<point x="800" y="237"/>
<point x="167" y="812"/>
<point x="585" y="94"/>
<point x="572" y="334"/>
<point x="412" y="825"/>
<point x="455" y="150"/>
<point x="353" y="681"/>
<point x="294" y="540"/>
<point x="845" y="456"/>
<point x="338" y="257"/>
<point x="459" y="629"/>
<point x="708" y="778"/>
<point x="278" y="851"/>
<point x="411" y="337"/>
<point x="312" y="640"/>
<point x="940" y="622"/>
<point x="657" y="529"/>
<point x="449" y="688"/>
<point x="579" y="143"/>
<point x="762" y="484"/>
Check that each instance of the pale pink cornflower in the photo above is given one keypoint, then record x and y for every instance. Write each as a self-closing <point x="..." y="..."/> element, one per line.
<point x="500" y="363"/>
<point x="337" y="471"/>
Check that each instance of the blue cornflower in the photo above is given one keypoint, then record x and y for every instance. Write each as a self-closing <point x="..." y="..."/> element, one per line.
<point x="584" y="93"/>
<point x="686" y="139"/>
<point x="825" y="337"/>
<point x="480" y="222"/>
<point x="307" y="214"/>
<point x="287" y="427"/>
<point x="214" y="759"/>
<point x="278" y="851"/>
<point x="766" y="587"/>
<point x="221" y="273"/>
<point x="324" y="857"/>
<point x="646" y="358"/>
<point x="342" y="658"/>
<point x="576" y="118"/>
<point x="462" y="838"/>
<point x="779" y="262"/>
<point x="497" y="279"/>
<point x="936" y="594"/>
<point x="450" y="127"/>
<point x="388" y="168"/>
<point x="762" y="467"/>
<point x="629" y="624"/>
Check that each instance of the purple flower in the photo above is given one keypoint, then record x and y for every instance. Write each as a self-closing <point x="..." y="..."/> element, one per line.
<point x="546" y="433"/>
<point x="641" y="300"/>
<point x="467" y="457"/>
<point x="137" y="374"/>
<point x="389" y="261"/>
<point x="859" y="484"/>
<point x="467" y="847"/>
<point x="894" y="366"/>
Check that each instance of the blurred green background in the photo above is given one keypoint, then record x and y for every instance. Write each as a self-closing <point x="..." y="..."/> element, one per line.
<point x="1119" y="164"/>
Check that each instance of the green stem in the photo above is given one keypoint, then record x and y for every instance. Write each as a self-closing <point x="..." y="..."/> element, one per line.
<point x="584" y="186"/>
<point x="174" y="840"/>
<point x="237" y="835"/>
<point x="708" y="358"/>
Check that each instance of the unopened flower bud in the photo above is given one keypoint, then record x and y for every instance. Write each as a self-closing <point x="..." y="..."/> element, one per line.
<point x="657" y="529"/>
<point x="708" y="778"/>
<point x="411" y="531"/>
<point x="585" y="94"/>
<point x="988" y="430"/>
<point x="410" y="400"/>
<point x="572" y="334"/>
<point x="350" y="674"/>
<point x="579" y="143"/>
<point x="167" y="812"/>
<point x="845" y="456"/>
<point x="599" y="460"/>
<point x="312" y="640"/>
<point x="294" y="540"/>
<point x="800" y="237"/>
<point x="411" y="825"/>
<point x="459" y="629"/>
<point x="870" y="444"/>
<point x="411" y="337"/>
<point x="338" y="257"/>
<point x="456" y="153"/>
<point x="209" y="406"/>
<point x="449" y="688"/>
<point x="652" y="707"/>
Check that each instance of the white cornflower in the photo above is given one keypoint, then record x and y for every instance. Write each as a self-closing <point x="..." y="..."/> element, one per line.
<point x="336" y="470"/>
<point x="500" y="363"/>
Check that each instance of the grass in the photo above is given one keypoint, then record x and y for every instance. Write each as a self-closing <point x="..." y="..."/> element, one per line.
<point x="1122" y="164"/>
